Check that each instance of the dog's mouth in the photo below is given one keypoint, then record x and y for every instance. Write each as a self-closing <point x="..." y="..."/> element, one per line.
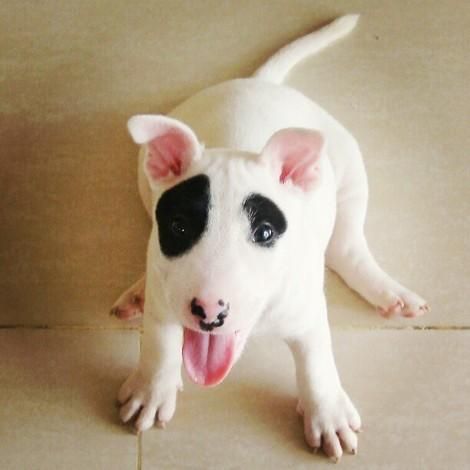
<point x="208" y="357"/>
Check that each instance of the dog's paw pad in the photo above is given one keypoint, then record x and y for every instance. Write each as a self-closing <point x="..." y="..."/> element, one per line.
<point x="394" y="308"/>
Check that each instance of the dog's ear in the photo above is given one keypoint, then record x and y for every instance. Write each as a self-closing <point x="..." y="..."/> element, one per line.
<point x="294" y="155"/>
<point x="170" y="145"/>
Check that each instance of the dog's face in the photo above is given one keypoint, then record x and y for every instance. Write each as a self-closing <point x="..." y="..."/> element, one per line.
<point x="226" y="224"/>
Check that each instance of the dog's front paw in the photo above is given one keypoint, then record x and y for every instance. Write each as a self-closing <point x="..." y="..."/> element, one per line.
<point x="148" y="401"/>
<point x="332" y="425"/>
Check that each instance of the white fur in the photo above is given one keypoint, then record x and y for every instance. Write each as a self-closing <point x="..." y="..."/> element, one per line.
<point x="278" y="290"/>
<point x="280" y="64"/>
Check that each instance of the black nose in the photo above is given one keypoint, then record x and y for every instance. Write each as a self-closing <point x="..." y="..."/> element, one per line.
<point x="197" y="309"/>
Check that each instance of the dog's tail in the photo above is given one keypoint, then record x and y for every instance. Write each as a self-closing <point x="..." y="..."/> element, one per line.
<point x="281" y="63"/>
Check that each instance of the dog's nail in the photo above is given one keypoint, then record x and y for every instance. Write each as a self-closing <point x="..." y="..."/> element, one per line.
<point x="334" y="459"/>
<point x="114" y="311"/>
<point x="354" y="451"/>
<point x="160" y="424"/>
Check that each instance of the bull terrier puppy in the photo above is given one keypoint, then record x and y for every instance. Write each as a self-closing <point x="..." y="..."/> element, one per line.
<point x="251" y="187"/>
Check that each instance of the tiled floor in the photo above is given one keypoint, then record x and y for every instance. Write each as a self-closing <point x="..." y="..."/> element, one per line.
<point x="73" y="232"/>
<point x="58" y="411"/>
<point x="58" y="389"/>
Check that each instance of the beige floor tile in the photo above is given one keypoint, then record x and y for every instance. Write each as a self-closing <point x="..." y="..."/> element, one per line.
<point x="411" y="387"/>
<point x="57" y="393"/>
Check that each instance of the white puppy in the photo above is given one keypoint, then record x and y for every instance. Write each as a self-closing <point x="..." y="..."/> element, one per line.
<point x="251" y="187"/>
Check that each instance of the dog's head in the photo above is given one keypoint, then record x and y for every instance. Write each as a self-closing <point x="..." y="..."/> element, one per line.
<point x="227" y="234"/>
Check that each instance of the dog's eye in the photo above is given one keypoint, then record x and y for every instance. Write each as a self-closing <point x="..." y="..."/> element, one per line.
<point x="263" y="234"/>
<point x="179" y="226"/>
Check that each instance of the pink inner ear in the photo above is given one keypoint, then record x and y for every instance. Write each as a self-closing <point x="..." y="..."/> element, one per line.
<point x="298" y="152"/>
<point x="169" y="152"/>
<point x="299" y="166"/>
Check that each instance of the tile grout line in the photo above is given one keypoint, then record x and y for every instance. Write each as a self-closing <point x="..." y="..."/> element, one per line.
<point x="69" y="327"/>
<point x="139" y="451"/>
<point x="139" y="435"/>
<point x="403" y="328"/>
<point x="334" y="327"/>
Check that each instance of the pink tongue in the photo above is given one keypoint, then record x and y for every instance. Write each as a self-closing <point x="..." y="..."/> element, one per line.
<point x="208" y="358"/>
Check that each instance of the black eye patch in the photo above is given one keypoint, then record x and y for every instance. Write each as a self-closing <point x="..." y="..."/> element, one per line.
<point x="182" y="213"/>
<point x="267" y="222"/>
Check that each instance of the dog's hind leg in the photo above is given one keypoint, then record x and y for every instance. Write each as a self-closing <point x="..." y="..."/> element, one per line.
<point x="130" y="305"/>
<point x="348" y="253"/>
